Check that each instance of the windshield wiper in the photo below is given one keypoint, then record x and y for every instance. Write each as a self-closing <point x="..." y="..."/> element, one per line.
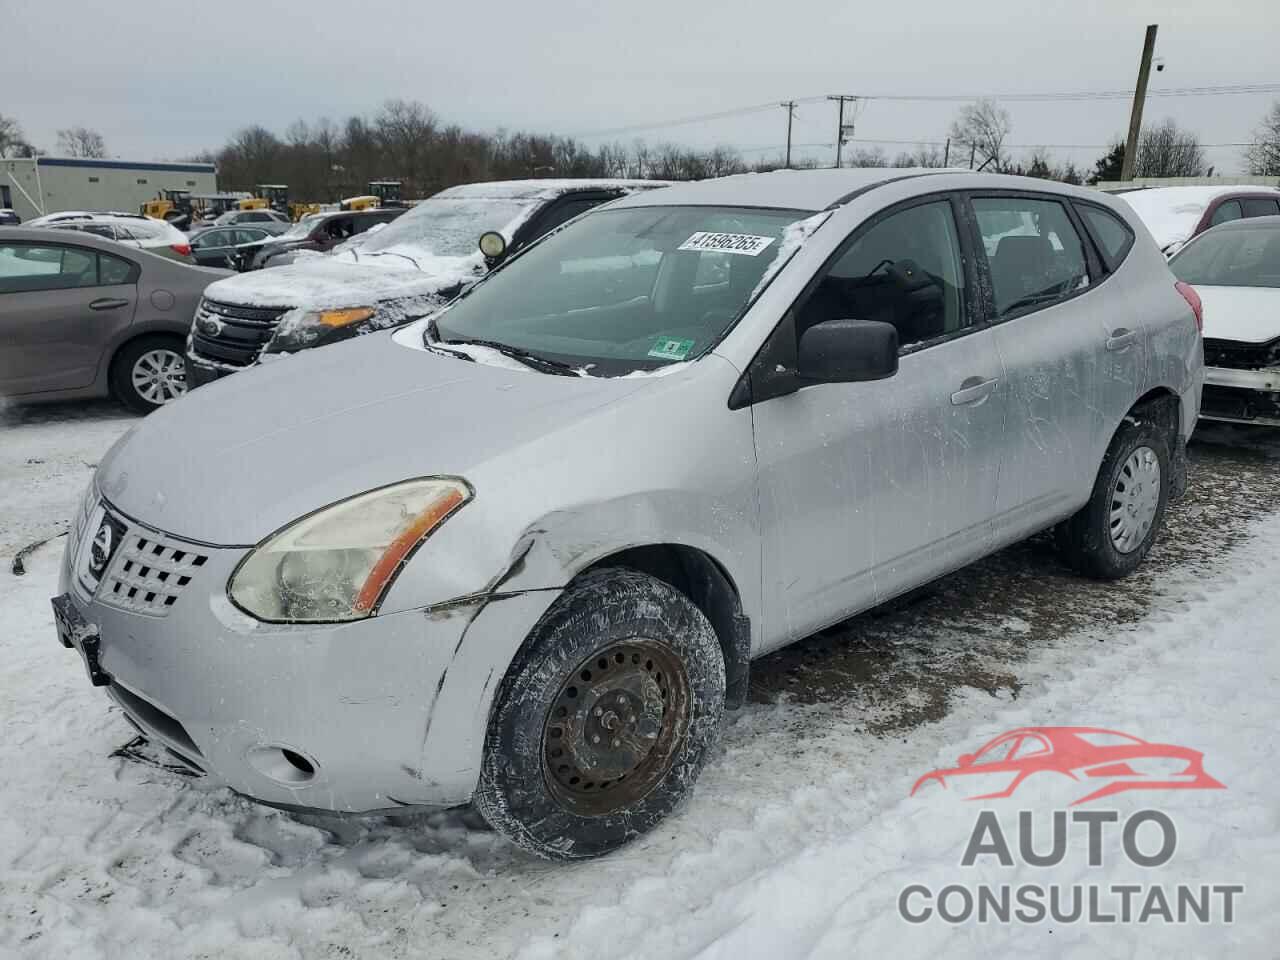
<point x="431" y="339"/>
<point x="392" y="253"/>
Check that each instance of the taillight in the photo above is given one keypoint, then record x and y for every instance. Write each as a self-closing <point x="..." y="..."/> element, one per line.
<point x="184" y="249"/>
<point x="1189" y="294"/>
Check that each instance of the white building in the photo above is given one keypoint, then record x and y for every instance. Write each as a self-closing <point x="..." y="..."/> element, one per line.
<point x="34" y="187"/>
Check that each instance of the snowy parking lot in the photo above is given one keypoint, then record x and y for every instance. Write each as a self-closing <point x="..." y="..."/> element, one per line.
<point x="801" y="834"/>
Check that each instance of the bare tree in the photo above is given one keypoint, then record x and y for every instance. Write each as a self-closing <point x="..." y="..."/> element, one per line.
<point x="1263" y="155"/>
<point x="982" y="128"/>
<point x="868" y="157"/>
<point x="12" y="141"/>
<point x="925" y="155"/>
<point x="1167" y="151"/>
<point x="81" y="142"/>
<point x="405" y="128"/>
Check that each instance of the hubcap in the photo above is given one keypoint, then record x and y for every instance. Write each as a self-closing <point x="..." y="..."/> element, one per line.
<point x="614" y="726"/>
<point x="160" y="376"/>
<point x="1134" y="500"/>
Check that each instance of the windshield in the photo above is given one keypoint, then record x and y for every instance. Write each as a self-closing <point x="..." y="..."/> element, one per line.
<point x="628" y="289"/>
<point x="1240" y="257"/>
<point x="450" y="228"/>
<point x="302" y="228"/>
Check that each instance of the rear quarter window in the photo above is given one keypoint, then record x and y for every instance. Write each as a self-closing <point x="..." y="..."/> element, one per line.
<point x="1112" y="236"/>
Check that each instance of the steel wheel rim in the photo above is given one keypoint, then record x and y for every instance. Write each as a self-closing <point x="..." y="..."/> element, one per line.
<point x="159" y="376"/>
<point x="1135" y="497"/>
<point x="614" y="726"/>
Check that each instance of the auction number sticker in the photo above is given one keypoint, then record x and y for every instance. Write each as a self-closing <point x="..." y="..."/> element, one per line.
<point x="669" y="349"/>
<point x="743" y="243"/>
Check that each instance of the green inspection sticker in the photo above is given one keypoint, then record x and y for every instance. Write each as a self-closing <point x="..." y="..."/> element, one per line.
<point x="665" y="349"/>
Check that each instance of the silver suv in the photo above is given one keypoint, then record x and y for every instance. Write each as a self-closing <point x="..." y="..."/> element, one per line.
<point x="523" y="552"/>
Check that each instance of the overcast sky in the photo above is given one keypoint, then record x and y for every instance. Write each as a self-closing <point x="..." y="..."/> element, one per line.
<point x="161" y="80"/>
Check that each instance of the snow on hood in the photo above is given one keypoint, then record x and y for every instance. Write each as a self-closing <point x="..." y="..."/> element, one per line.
<point x="326" y="424"/>
<point x="325" y="283"/>
<point x="1246" y="314"/>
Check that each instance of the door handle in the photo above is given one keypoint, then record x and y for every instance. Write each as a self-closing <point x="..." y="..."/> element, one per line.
<point x="107" y="303"/>
<point x="974" y="390"/>
<point x="1121" y="339"/>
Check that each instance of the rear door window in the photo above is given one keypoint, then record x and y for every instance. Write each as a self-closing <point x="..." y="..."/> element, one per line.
<point x="28" y="267"/>
<point x="1260" y="207"/>
<point x="113" y="270"/>
<point x="1112" y="234"/>
<point x="1033" y="252"/>
<point x="1226" y="212"/>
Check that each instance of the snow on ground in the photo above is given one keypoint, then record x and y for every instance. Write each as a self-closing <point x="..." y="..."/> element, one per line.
<point x="797" y="840"/>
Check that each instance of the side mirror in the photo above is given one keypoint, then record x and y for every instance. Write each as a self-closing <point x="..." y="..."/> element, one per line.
<point x="847" y="351"/>
<point x="966" y="759"/>
<point x="493" y="245"/>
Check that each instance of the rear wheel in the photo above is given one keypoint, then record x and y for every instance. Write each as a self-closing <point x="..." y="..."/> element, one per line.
<point x="1114" y="531"/>
<point x="603" y="722"/>
<point x="149" y="372"/>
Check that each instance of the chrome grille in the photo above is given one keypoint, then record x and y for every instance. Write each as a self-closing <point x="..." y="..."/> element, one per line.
<point x="149" y="572"/>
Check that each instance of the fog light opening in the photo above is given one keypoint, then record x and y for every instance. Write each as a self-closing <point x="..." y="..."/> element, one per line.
<point x="282" y="764"/>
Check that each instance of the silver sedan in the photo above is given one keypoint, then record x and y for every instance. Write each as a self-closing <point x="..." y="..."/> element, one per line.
<point x="523" y="552"/>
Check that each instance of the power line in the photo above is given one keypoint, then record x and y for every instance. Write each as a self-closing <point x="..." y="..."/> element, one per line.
<point x="1061" y="96"/>
<point x="828" y="145"/>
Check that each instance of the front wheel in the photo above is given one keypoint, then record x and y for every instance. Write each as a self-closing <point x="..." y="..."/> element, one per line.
<point x="149" y="372"/>
<point x="604" y="720"/>
<point x="1112" y="534"/>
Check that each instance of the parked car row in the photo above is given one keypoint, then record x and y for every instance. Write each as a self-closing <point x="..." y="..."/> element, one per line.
<point x="522" y="550"/>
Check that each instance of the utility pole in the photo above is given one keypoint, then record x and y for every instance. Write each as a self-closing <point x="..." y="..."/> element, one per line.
<point x="946" y="153"/>
<point x="841" y="130"/>
<point x="1139" y="99"/>
<point x="973" y="152"/>
<point x="790" y="107"/>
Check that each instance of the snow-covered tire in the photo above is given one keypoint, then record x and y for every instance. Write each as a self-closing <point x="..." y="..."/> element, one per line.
<point x="622" y="681"/>
<point x="1086" y="540"/>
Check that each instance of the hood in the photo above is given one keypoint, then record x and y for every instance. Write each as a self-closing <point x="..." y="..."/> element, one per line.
<point x="323" y="283"/>
<point x="236" y="460"/>
<point x="1246" y="314"/>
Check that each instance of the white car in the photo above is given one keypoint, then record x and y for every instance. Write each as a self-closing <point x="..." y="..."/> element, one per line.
<point x="1235" y="268"/>
<point x="143" y="233"/>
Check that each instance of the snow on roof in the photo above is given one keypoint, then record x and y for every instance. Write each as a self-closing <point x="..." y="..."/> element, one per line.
<point x="784" y="189"/>
<point x="1171" y="213"/>
<point x="541" y="189"/>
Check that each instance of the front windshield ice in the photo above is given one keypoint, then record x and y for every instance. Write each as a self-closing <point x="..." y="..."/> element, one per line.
<point x="625" y="289"/>
<point x="449" y="227"/>
<point x="1246" y="256"/>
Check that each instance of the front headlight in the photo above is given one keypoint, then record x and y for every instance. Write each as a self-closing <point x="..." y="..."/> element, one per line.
<point x="336" y="564"/>
<point x="301" y="329"/>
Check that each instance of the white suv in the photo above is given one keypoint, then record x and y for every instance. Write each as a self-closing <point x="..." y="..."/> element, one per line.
<point x="144" y="233"/>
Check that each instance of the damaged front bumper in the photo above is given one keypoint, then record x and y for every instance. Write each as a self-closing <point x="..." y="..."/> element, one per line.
<point x="1241" y="396"/>
<point x="361" y="717"/>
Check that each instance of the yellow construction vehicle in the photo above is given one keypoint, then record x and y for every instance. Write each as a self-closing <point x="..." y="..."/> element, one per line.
<point x="359" y="203"/>
<point x="299" y="210"/>
<point x="387" y="192"/>
<point x="252" y="203"/>
<point x="173" y="206"/>
<point x="276" y="196"/>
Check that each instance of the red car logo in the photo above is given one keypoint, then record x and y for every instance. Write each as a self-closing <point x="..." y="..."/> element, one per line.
<point x="1115" y="761"/>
